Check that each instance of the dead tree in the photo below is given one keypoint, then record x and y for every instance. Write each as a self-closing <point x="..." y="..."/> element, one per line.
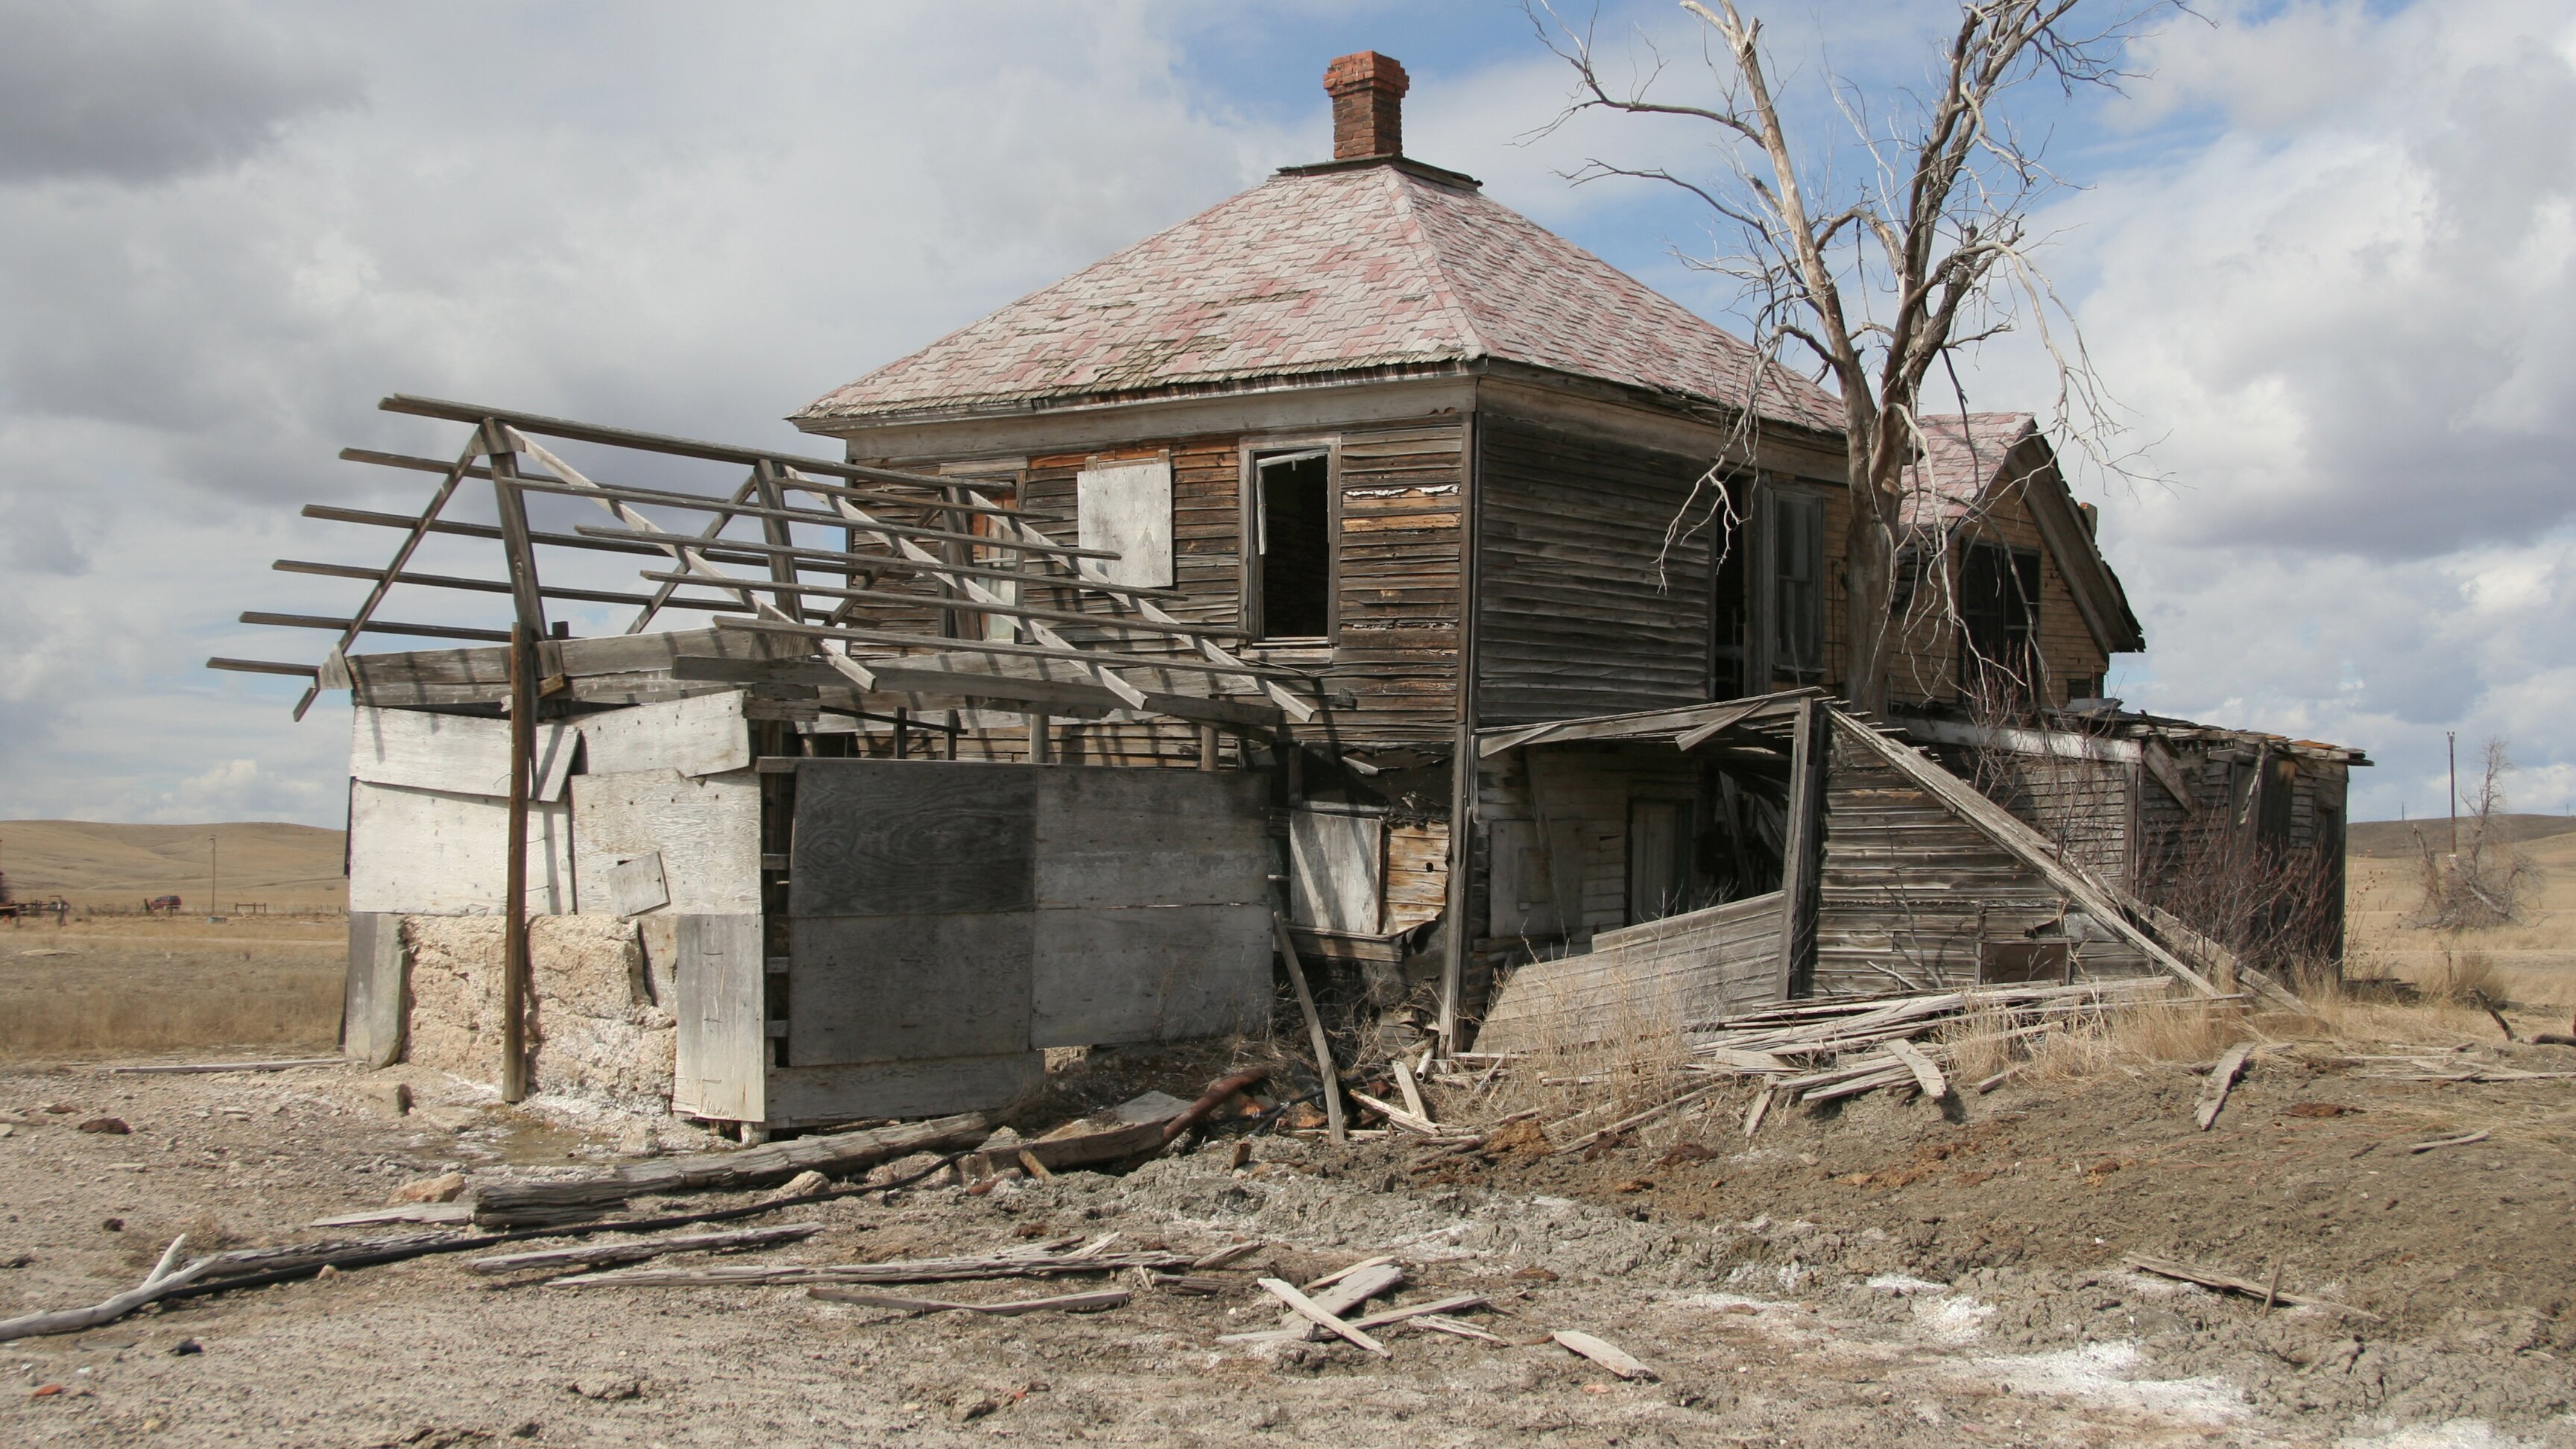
<point x="2480" y="880"/>
<point x="1882" y="280"/>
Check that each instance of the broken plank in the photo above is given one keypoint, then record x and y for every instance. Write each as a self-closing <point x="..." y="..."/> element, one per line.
<point x="2222" y="1079"/>
<point x="152" y="1068"/>
<point x="1606" y="1354"/>
<point x="1459" y="1304"/>
<point x="1305" y="1307"/>
<point x="832" y="1155"/>
<point x="915" y="1270"/>
<point x="1926" y="1075"/>
<point x="2463" y="1140"/>
<point x="1064" y="1303"/>
<point x="1463" y="1329"/>
<point x="1411" y="1091"/>
<point x="593" y="1255"/>
<point x="1395" y="1114"/>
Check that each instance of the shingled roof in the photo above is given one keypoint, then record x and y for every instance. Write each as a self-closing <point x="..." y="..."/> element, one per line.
<point x="1962" y="452"/>
<point x="1321" y="271"/>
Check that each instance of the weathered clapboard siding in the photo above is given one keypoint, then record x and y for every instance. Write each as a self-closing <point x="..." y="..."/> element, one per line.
<point x="435" y="853"/>
<point x="1661" y="977"/>
<point x="1579" y="799"/>
<point x="1582" y="610"/>
<point x="1912" y="895"/>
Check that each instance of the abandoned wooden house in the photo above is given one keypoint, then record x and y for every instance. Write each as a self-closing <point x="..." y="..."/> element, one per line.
<point x="1356" y="550"/>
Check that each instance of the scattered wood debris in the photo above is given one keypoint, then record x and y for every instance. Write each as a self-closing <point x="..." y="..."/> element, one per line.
<point x="597" y="1254"/>
<point x="1307" y="1308"/>
<point x="508" y="1203"/>
<point x="1064" y="1303"/>
<point x="2222" y="1080"/>
<point x="2270" y="1293"/>
<point x="2463" y="1140"/>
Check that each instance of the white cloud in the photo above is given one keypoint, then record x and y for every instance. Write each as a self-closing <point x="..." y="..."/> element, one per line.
<point x="687" y="219"/>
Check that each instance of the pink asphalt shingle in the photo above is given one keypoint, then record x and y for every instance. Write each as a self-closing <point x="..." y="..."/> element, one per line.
<point x="1961" y="455"/>
<point x="1327" y="272"/>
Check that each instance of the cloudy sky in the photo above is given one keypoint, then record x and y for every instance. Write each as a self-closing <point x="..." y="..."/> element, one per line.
<point x="2324" y="258"/>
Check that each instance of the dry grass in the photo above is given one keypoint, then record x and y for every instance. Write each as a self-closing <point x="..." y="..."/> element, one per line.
<point x="1601" y="1070"/>
<point x="136" y="987"/>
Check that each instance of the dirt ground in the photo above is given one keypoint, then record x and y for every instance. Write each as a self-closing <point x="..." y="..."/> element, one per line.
<point x="1888" y="1274"/>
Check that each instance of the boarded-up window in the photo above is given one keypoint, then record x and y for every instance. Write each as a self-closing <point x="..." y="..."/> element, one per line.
<point x="1336" y="870"/>
<point x="1127" y="507"/>
<point x="1290" y="577"/>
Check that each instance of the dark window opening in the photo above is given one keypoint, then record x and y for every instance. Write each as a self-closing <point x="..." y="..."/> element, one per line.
<point x="1292" y="573"/>
<point x="1913" y="570"/>
<point x="1726" y="678"/>
<point x="1659" y="860"/>
<point x="1999" y="607"/>
<point x="1797" y="567"/>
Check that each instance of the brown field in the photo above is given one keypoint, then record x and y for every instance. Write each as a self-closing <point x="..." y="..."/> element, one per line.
<point x="2532" y="962"/>
<point x="123" y="985"/>
<point x="119" y="867"/>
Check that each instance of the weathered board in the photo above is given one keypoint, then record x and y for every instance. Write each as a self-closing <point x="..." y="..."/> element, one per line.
<point x="701" y="735"/>
<point x="891" y="987"/>
<point x="1336" y="870"/>
<point x="1148" y="974"/>
<point x="818" y="1096"/>
<point x="1650" y="980"/>
<point x="971" y="911"/>
<point x="455" y="753"/>
<point x="722" y="1063"/>
<point x="639" y="885"/>
<point x="433" y="853"/>
<point x="373" y="1011"/>
<point x="707" y="831"/>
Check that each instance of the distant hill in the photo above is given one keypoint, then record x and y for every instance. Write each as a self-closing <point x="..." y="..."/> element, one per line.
<point x="2395" y="839"/>
<point x="285" y="867"/>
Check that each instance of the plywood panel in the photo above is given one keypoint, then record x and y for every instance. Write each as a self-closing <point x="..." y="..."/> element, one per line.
<point x="1118" y="838"/>
<point x="1662" y="977"/>
<point x="1127" y="508"/>
<point x="815" y="1096"/>
<point x="723" y="1050"/>
<point x="701" y="735"/>
<point x="1336" y="870"/>
<point x="707" y="831"/>
<point x="455" y="753"/>
<point x="884" y="988"/>
<point x="432" y="853"/>
<point x="887" y="837"/>
<point x="1106" y="976"/>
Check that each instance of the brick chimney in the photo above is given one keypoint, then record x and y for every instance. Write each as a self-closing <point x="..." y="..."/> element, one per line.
<point x="1368" y="105"/>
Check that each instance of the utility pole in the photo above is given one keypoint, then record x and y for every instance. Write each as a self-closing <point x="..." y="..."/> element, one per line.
<point x="2453" y="738"/>
<point x="213" y="914"/>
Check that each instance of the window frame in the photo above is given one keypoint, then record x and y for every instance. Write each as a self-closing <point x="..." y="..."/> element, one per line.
<point x="1250" y="453"/>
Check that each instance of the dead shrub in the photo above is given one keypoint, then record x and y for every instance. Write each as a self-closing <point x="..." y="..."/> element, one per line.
<point x="1602" y="1065"/>
<point x="2481" y="880"/>
<point x="2465" y="976"/>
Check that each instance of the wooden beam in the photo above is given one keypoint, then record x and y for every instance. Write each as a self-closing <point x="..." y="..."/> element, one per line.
<point x="516" y="548"/>
<point x="514" y="950"/>
<point x="1024" y="651"/>
<point x="955" y="605"/>
<point x="779" y="512"/>
<point x="450" y="581"/>
<point x="1802" y="848"/>
<point x="834" y="560"/>
<point x="666" y="585"/>
<point x="353" y="627"/>
<point x="415" y="529"/>
<point x="432" y="465"/>
<point x="263" y="666"/>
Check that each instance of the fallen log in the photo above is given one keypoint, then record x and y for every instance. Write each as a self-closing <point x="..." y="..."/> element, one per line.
<point x="504" y="1203"/>
<point x="604" y="1253"/>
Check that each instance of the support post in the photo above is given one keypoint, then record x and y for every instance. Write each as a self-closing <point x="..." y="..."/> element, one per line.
<point x="1207" y="746"/>
<point x="1039" y="751"/>
<point x="1331" y="1075"/>
<point x="1809" y="743"/>
<point x="1462" y="752"/>
<point x="514" y="950"/>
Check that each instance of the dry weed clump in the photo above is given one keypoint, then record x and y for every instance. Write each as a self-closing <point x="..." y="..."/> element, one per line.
<point x="1601" y="1065"/>
<point x="2465" y="976"/>
<point x="2480" y="881"/>
<point x="1986" y="1040"/>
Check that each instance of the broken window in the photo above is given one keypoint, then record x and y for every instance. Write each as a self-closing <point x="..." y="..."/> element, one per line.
<point x="1126" y="507"/>
<point x="1289" y="582"/>
<point x="1789" y="532"/>
<point x="1999" y="609"/>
